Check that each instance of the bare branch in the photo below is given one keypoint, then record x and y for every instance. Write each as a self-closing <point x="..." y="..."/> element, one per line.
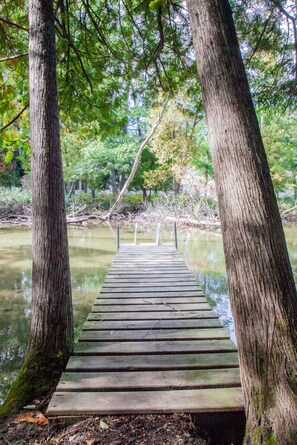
<point x="17" y="56"/>
<point x="14" y="119"/>
<point x="261" y="37"/>
<point x="293" y="20"/>
<point x="137" y="160"/>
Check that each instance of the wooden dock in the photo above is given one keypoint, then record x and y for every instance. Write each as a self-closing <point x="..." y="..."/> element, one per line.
<point x="151" y="344"/>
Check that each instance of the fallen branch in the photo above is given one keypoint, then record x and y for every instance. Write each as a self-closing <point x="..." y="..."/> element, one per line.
<point x="289" y="210"/>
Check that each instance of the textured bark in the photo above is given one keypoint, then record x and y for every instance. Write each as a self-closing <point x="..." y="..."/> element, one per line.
<point x="51" y="332"/>
<point x="261" y="286"/>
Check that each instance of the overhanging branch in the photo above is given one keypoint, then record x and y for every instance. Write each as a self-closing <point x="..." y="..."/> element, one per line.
<point x="14" y="119"/>
<point x="17" y="56"/>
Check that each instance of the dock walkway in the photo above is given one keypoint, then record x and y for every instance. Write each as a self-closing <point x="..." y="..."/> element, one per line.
<point x="151" y="344"/>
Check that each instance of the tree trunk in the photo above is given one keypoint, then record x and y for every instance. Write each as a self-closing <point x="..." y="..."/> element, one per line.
<point x="261" y="286"/>
<point x="113" y="182"/>
<point x="51" y="332"/>
<point x="122" y="180"/>
<point x="176" y="187"/>
<point x="144" y="195"/>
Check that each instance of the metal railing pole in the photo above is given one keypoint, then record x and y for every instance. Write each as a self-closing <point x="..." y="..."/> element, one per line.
<point x="158" y="235"/>
<point x="175" y="235"/>
<point x="118" y="237"/>
<point x="135" y="233"/>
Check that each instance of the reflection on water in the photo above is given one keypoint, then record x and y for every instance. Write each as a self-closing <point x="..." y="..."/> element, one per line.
<point x="91" y="253"/>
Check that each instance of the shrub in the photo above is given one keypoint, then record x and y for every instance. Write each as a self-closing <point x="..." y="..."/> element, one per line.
<point x="14" y="201"/>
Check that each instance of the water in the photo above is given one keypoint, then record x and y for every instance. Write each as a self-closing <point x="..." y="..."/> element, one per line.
<point x="91" y="253"/>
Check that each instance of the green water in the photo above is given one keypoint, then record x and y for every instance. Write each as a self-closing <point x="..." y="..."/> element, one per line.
<point x="91" y="253"/>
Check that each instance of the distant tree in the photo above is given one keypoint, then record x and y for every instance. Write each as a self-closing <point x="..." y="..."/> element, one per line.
<point x="260" y="279"/>
<point x="51" y="333"/>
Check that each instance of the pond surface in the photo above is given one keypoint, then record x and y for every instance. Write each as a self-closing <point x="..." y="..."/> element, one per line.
<point x="91" y="253"/>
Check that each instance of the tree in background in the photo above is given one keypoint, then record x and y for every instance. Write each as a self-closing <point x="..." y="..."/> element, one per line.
<point x="51" y="333"/>
<point x="260" y="279"/>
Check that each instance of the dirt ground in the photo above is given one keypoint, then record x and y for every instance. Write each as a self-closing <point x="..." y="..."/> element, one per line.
<point x="34" y="429"/>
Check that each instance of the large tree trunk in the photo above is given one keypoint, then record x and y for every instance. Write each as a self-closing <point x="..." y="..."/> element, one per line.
<point x="51" y="333"/>
<point x="262" y="290"/>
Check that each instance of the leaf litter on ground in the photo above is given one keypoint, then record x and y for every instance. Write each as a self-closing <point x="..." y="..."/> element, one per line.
<point x="163" y="429"/>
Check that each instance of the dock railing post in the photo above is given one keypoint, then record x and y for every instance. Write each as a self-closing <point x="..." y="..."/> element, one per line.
<point x="118" y="237"/>
<point x="135" y="234"/>
<point x="158" y="235"/>
<point x="175" y="235"/>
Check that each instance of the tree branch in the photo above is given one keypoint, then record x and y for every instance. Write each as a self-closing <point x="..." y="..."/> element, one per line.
<point x="17" y="56"/>
<point x="260" y="38"/>
<point x="15" y="25"/>
<point x="137" y="160"/>
<point x="14" y="119"/>
<point x="293" y="20"/>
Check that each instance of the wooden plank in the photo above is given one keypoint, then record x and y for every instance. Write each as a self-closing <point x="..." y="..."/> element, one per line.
<point x="197" y="378"/>
<point x="99" y="325"/>
<point x="148" y="300"/>
<point x="153" y="275"/>
<point x="151" y="315"/>
<point x="149" y="280"/>
<point x="165" y="267"/>
<point x="155" y="266"/>
<point x="153" y="347"/>
<point x="165" y="285"/>
<point x="149" y="307"/>
<point x="135" y="402"/>
<point x="150" y="362"/>
<point x="149" y="293"/>
<point x="155" y="334"/>
<point x="147" y="288"/>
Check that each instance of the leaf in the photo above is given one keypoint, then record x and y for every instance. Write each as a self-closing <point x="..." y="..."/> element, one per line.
<point x="104" y="425"/>
<point x="31" y="417"/>
<point x="71" y="438"/>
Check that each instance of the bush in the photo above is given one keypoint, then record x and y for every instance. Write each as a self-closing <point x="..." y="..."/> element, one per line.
<point x="14" y="201"/>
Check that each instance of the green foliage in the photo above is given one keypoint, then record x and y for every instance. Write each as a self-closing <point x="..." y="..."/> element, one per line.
<point x="13" y="200"/>
<point x="279" y="134"/>
<point x="92" y="163"/>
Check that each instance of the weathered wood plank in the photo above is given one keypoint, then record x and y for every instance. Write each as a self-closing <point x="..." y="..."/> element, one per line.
<point x="153" y="275"/>
<point x="129" y="402"/>
<point x="151" y="315"/>
<point x="201" y="323"/>
<point x="150" y="293"/>
<point x="148" y="279"/>
<point x="197" y="378"/>
<point x="155" y="334"/>
<point x="150" y="329"/>
<point x="145" y="285"/>
<point x="148" y="300"/>
<point x="176" y="307"/>
<point x="153" y="347"/>
<point x="150" y="362"/>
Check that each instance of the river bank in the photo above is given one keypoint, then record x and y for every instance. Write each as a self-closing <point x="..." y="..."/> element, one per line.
<point x="84" y="211"/>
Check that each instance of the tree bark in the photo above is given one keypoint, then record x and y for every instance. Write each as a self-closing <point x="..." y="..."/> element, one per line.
<point x="51" y="333"/>
<point x="113" y="181"/>
<point x="261" y="286"/>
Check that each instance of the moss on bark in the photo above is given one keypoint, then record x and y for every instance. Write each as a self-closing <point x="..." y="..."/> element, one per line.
<point x="36" y="379"/>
